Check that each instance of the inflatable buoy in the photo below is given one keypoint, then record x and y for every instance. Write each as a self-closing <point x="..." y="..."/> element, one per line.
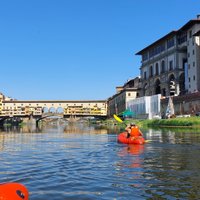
<point x="13" y="191"/>
<point x="122" y="137"/>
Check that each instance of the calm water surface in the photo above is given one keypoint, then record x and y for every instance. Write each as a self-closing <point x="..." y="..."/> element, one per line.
<point x="81" y="162"/>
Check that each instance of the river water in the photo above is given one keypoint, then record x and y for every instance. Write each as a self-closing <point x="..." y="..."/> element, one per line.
<point x="82" y="162"/>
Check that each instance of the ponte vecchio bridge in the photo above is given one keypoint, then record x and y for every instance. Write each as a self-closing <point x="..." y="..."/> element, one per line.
<point x="38" y="109"/>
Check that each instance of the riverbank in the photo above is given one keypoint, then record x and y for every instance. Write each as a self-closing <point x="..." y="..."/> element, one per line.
<point x="174" y="122"/>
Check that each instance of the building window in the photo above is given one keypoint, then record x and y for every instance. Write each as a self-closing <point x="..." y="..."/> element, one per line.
<point x="193" y="52"/>
<point x="144" y="56"/>
<point x="190" y="34"/>
<point x="157" y="69"/>
<point x="157" y="50"/>
<point x="184" y="63"/>
<point x="189" y="79"/>
<point x="170" y="43"/>
<point x="188" y="54"/>
<point x="145" y="75"/>
<point x="151" y="71"/>
<point x="163" y="66"/>
<point x="182" y="37"/>
<point x="129" y="94"/>
<point x="193" y="64"/>
<point x="194" y="78"/>
<point x="170" y="65"/>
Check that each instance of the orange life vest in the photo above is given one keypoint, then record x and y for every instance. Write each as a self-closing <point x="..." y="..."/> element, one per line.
<point x="135" y="132"/>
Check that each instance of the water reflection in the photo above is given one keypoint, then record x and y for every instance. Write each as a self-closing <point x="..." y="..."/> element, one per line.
<point x="66" y="128"/>
<point x="135" y="151"/>
<point x="78" y="161"/>
<point x="130" y="169"/>
<point x="131" y="149"/>
<point x="173" y="136"/>
<point x="171" y="163"/>
<point x="31" y="128"/>
<point x="82" y="128"/>
<point x="166" y="168"/>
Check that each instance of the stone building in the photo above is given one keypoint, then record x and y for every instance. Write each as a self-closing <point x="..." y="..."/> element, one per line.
<point x="171" y="65"/>
<point x="118" y="102"/>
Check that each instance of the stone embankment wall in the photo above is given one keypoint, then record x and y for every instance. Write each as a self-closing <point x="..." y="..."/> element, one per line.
<point x="183" y="105"/>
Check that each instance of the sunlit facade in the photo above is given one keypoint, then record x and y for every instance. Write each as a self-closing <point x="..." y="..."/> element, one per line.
<point x="118" y="102"/>
<point x="171" y="65"/>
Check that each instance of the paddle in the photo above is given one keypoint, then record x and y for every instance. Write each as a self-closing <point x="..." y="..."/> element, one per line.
<point x="118" y="119"/>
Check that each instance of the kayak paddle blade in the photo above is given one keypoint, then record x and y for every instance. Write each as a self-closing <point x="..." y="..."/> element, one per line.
<point x="117" y="118"/>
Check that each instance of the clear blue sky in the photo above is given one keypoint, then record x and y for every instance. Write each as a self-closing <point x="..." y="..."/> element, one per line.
<point x="80" y="49"/>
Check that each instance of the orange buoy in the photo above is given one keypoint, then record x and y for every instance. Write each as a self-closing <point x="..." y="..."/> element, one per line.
<point x="13" y="191"/>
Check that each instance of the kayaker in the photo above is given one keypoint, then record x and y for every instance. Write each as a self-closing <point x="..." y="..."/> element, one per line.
<point x="133" y="131"/>
<point x="128" y="130"/>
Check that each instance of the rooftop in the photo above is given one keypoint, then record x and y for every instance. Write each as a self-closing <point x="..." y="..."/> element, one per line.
<point x="171" y="34"/>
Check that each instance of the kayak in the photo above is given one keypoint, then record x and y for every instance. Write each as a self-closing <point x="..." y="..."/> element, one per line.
<point x="13" y="191"/>
<point x="123" y="139"/>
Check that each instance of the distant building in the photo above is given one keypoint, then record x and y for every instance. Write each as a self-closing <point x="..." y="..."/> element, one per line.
<point x="2" y="97"/>
<point x="171" y="65"/>
<point x="118" y="102"/>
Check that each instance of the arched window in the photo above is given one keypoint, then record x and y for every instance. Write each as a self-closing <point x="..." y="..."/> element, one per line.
<point x="59" y="110"/>
<point x="163" y="66"/>
<point x="151" y="71"/>
<point x="157" y="87"/>
<point x="45" y="110"/>
<point x="157" y="69"/>
<point x="52" y="110"/>
<point x="182" y="84"/>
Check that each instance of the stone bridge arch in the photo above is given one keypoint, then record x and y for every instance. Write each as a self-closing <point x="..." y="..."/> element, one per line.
<point x="48" y="115"/>
<point x="60" y="110"/>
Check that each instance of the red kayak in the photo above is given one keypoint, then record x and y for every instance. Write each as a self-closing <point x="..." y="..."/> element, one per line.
<point x="122" y="137"/>
<point x="13" y="191"/>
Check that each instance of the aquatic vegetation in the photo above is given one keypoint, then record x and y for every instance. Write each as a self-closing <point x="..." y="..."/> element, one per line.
<point x="187" y="121"/>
